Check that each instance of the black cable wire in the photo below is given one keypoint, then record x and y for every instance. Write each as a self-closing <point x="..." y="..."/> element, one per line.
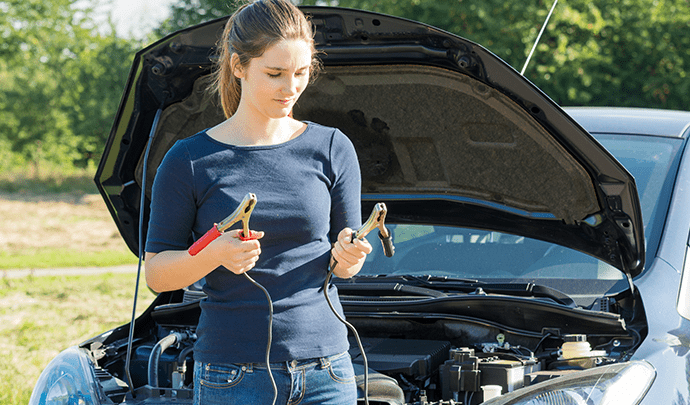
<point x="352" y="328"/>
<point x="330" y="304"/>
<point x="130" y="338"/>
<point x="546" y="336"/>
<point x="270" y="336"/>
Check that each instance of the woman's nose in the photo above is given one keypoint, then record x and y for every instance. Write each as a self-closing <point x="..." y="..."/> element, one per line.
<point x="292" y="85"/>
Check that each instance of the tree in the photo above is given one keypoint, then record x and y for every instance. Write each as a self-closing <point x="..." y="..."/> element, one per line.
<point x="186" y="13"/>
<point x="61" y="81"/>
<point x="624" y="53"/>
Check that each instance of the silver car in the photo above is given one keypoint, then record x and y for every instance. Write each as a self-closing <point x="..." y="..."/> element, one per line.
<point x="540" y="252"/>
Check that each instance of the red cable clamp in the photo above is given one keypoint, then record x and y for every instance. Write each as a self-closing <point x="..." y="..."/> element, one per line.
<point x="242" y="213"/>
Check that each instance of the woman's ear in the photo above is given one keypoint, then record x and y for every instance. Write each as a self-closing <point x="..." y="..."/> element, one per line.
<point x="236" y="66"/>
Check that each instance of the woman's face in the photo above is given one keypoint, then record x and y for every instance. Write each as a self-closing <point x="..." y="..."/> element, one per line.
<point x="272" y="83"/>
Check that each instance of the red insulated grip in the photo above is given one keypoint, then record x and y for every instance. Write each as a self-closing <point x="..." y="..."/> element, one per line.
<point x="252" y="236"/>
<point x="208" y="237"/>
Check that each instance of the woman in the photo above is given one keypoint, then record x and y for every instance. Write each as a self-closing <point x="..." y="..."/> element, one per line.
<point x="307" y="182"/>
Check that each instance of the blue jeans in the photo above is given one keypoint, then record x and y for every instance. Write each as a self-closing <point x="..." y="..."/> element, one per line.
<point x="326" y="380"/>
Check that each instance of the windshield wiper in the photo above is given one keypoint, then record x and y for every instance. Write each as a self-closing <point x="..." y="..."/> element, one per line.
<point x="468" y="286"/>
<point x="426" y="279"/>
<point x="531" y="289"/>
<point x="401" y="289"/>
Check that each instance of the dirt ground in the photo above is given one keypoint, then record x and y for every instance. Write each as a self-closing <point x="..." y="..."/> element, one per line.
<point x="77" y="222"/>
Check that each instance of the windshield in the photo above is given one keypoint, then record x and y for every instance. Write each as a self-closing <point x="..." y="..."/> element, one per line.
<point x="495" y="256"/>
<point x="653" y="163"/>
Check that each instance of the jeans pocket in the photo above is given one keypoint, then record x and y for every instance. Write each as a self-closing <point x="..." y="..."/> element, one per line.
<point x="221" y="375"/>
<point x="340" y="369"/>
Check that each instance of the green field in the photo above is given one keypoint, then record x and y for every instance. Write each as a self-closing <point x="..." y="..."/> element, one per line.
<point x="41" y="316"/>
<point x="56" y="221"/>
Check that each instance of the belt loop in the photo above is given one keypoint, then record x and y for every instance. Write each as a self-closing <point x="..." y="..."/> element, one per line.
<point x="325" y="362"/>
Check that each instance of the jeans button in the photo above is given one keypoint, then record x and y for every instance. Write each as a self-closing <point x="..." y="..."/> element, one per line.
<point x="293" y="363"/>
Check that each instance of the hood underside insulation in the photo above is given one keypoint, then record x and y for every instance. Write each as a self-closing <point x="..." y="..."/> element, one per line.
<point x="422" y="129"/>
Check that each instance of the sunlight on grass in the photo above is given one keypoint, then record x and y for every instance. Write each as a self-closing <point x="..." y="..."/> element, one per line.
<point x="56" y="258"/>
<point x="55" y="219"/>
<point x="41" y="316"/>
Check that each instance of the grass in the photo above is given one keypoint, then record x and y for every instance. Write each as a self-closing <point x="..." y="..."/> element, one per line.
<point x="41" y="316"/>
<point x="57" y="220"/>
<point x="59" y="258"/>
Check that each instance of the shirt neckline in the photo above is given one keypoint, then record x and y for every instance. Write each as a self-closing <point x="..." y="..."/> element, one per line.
<point x="259" y="147"/>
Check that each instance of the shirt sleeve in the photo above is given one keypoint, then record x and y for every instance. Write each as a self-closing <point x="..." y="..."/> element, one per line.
<point x="173" y="205"/>
<point x="346" y="205"/>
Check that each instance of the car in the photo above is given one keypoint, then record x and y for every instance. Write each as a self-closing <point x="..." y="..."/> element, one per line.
<point x="540" y="251"/>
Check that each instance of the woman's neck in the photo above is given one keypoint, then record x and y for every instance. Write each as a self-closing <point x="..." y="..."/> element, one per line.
<point x="240" y="130"/>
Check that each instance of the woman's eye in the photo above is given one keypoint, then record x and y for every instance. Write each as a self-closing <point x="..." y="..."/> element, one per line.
<point x="277" y="75"/>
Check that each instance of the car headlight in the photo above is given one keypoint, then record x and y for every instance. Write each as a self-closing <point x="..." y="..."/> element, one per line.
<point x="616" y="384"/>
<point x="68" y="379"/>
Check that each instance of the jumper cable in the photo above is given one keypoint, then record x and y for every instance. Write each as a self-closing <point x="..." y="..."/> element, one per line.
<point x="242" y="213"/>
<point x="376" y="220"/>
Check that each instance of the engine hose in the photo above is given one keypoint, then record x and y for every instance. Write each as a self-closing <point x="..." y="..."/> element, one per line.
<point x="156" y="353"/>
<point x="182" y="358"/>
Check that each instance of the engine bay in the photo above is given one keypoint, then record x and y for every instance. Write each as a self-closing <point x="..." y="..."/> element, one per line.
<point x="427" y="358"/>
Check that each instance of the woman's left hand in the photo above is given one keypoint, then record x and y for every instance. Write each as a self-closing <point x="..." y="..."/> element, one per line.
<point x="349" y="254"/>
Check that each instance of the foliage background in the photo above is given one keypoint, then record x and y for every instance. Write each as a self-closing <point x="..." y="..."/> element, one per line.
<point x="61" y="82"/>
<point x="61" y="78"/>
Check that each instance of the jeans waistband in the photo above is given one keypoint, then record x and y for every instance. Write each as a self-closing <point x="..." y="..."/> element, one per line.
<point x="297" y="364"/>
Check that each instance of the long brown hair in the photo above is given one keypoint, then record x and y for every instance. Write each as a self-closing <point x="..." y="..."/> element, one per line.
<point x="252" y="29"/>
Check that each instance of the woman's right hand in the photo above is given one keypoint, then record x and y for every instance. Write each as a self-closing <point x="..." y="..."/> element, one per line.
<point x="171" y="270"/>
<point x="238" y="256"/>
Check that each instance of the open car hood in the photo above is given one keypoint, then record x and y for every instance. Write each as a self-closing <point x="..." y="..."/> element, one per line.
<point x="446" y="133"/>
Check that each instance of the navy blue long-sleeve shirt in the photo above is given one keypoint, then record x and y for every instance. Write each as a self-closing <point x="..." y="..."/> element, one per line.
<point x="308" y="190"/>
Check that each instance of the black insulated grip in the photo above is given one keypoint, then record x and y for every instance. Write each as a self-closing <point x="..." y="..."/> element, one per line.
<point x="387" y="243"/>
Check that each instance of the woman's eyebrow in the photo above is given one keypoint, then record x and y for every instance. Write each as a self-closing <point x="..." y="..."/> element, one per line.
<point x="284" y="69"/>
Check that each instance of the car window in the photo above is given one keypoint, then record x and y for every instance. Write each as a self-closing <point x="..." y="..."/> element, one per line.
<point x="477" y="254"/>
<point x="480" y="254"/>
<point x="653" y="163"/>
